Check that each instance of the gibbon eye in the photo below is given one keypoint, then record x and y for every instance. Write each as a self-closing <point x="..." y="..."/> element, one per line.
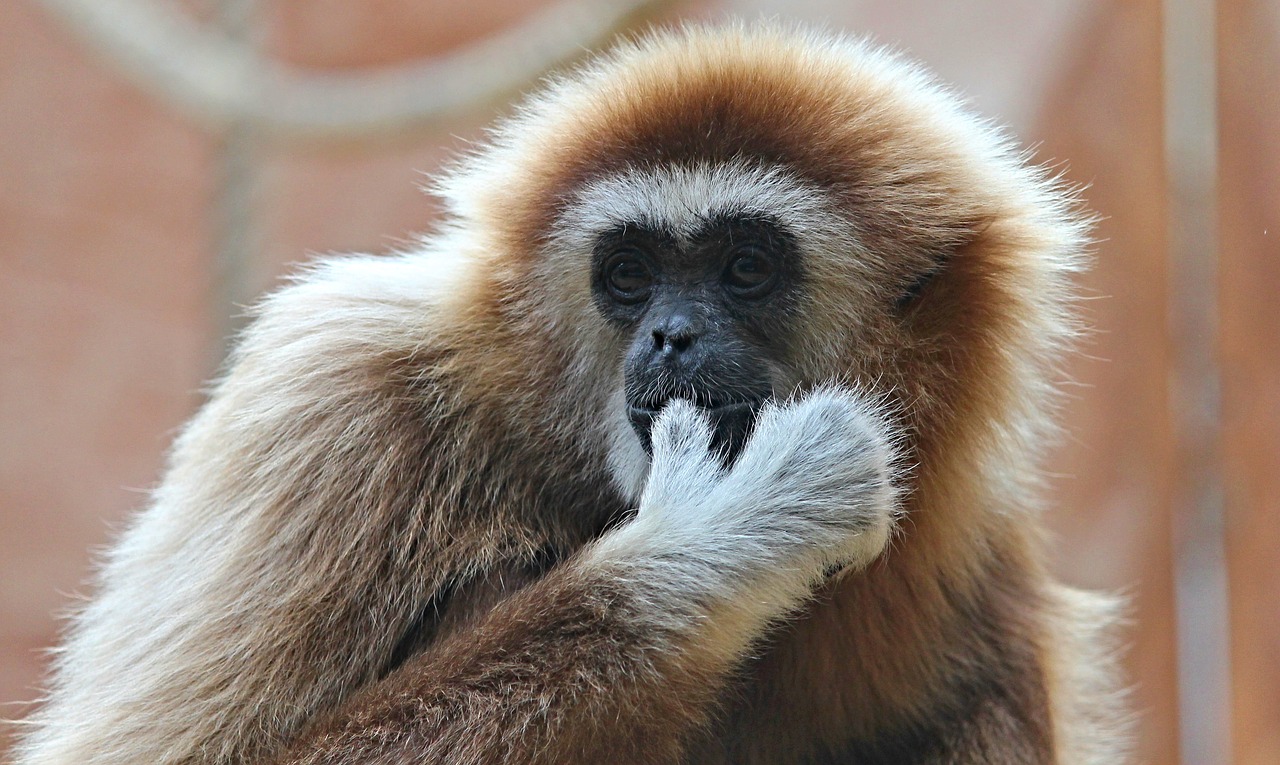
<point x="751" y="272"/>
<point x="628" y="277"/>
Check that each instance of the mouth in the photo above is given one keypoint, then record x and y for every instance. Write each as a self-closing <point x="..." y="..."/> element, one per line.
<point x="733" y="422"/>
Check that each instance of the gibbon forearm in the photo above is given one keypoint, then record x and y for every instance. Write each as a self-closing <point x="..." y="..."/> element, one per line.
<point x="620" y="654"/>
<point x="573" y="668"/>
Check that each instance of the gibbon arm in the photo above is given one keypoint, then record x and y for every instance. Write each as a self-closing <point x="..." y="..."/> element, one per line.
<point x="620" y="654"/>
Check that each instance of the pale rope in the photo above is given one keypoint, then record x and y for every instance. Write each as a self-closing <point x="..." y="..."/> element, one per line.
<point x="221" y="81"/>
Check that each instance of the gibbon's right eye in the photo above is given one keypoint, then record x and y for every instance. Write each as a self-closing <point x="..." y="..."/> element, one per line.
<point x="627" y="277"/>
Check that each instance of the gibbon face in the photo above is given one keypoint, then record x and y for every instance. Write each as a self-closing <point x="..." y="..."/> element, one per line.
<point x="703" y="311"/>
<point x="728" y="216"/>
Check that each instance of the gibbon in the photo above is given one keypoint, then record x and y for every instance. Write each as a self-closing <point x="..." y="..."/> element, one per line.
<point x="704" y="429"/>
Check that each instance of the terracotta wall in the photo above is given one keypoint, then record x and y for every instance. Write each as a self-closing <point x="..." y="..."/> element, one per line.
<point x="109" y="315"/>
<point x="103" y="330"/>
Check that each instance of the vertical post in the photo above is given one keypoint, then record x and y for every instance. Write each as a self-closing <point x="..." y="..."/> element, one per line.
<point x="1190" y="123"/>
<point x="1249" y="240"/>
<point x="236" y="233"/>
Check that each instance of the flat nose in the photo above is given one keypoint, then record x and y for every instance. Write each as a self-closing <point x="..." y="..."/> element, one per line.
<point x="674" y="337"/>
<point x="675" y="333"/>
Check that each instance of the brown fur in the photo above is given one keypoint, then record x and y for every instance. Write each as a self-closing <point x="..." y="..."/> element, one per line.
<point x="389" y="494"/>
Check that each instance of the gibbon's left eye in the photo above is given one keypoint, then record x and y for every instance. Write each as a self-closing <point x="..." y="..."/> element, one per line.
<point x="751" y="272"/>
<point x="627" y="277"/>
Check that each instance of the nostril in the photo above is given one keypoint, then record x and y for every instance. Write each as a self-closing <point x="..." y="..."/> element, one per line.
<point x="672" y="344"/>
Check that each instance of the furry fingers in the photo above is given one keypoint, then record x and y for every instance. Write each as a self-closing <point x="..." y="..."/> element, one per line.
<point x="812" y="490"/>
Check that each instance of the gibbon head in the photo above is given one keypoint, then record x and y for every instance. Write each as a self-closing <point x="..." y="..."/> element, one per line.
<point x="737" y="213"/>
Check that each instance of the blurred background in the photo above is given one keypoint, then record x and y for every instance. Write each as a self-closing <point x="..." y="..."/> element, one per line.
<point x="162" y="162"/>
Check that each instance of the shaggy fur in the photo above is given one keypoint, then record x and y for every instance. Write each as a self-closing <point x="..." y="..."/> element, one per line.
<point x="399" y="531"/>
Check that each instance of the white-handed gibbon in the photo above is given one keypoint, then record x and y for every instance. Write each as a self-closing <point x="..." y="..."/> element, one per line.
<point x="704" y="429"/>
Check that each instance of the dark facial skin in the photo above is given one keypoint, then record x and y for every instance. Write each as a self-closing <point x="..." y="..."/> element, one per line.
<point x="704" y="316"/>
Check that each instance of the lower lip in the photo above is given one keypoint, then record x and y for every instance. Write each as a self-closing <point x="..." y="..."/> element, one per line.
<point x="717" y="411"/>
<point x="742" y="413"/>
